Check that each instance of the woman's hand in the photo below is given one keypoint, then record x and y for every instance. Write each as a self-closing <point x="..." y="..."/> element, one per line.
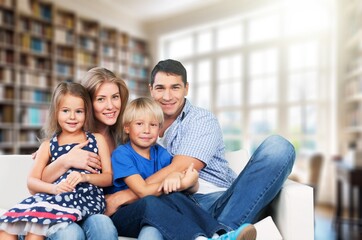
<point x="82" y="159"/>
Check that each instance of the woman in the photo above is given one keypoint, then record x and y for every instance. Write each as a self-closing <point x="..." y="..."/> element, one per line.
<point x="109" y="95"/>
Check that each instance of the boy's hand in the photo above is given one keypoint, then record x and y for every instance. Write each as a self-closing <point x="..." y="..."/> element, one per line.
<point x="191" y="177"/>
<point x="172" y="183"/>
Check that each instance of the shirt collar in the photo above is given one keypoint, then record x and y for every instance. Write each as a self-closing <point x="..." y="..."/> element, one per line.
<point x="185" y="110"/>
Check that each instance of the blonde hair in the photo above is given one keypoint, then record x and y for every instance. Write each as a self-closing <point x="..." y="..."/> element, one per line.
<point x="52" y="126"/>
<point x="93" y="79"/>
<point x="138" y="108"/>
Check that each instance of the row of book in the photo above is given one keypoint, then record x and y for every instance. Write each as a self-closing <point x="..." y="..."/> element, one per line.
<point x="6" y="38"/>
<point x="33" y="116"/>
<point x="35" y="63"/>
<point x="36" y="28"/>
<point x="34" y="80"/>
<point x="42" y="11"/>
<point x="85" y="58"/>
<point x="6" y="75"/>
<point x="6" y="56"/>
<point x="6" y="135"/>
<point x="108" y="36"/>
<point x="35" y="45"/>
<point x="65" y="20"/>
<point x="6" y="18"/>
<point x="35" y="96"/>
<point x="65" y="53"/>
<point x="6" y="92"/>
<point x="6" y="3"/>
<point x="64" y="36"/>
<point x="64" y="69"/>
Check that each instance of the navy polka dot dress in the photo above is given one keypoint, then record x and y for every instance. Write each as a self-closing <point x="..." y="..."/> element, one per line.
<point x="44" y="214"/>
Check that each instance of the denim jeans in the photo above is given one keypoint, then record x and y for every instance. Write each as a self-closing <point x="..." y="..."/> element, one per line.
<point x="254" y="188"/>
<point x="176" y="217"/>
<point x="95" y="227"/>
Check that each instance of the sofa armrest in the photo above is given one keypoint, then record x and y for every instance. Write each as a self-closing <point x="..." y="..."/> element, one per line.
<point x="293" y="211"/>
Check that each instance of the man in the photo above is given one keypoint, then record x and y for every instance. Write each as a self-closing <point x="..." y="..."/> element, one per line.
<point x="193" y="135"/>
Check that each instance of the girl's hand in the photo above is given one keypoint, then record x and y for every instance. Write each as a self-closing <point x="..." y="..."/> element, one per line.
<point x="74" y="178"/>
<point x="82" y="159"/>
<point x="172" y="183"/>
<point x="62" y="187"/>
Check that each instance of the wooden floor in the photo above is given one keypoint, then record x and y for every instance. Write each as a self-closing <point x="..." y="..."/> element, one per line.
<point x="324" y="227"/>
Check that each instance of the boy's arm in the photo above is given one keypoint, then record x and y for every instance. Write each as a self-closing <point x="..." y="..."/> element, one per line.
<point x="115" y="200"/>
<point x="140" y="187"/>
<point x="179" y="164"/>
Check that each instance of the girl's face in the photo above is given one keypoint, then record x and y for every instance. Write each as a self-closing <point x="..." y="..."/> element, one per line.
<point x="143" y="132"/>
<point x="107" y="103"/>
<point x="71" y="113"/>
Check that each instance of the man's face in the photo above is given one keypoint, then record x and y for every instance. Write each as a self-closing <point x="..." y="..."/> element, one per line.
<point x="169" y="92"/>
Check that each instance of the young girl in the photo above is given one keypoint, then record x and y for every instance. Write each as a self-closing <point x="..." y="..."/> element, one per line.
<point x="74" y="195"/>
<point x="139" y="158"/>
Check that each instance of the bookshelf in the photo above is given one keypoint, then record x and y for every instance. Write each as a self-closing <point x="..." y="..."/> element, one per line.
<point x="42" y="44"/>
<point x="351" y="49"/>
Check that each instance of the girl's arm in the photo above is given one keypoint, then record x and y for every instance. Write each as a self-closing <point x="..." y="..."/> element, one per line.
<point x="75" y="158"/>
<point x="34" y="182"/>
<point x="104" y="179"/>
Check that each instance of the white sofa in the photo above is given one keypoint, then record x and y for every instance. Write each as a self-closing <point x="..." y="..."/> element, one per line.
<point x="292" y="210"/>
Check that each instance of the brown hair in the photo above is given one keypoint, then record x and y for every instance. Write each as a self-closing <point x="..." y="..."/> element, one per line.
<point x="52" y="126"/>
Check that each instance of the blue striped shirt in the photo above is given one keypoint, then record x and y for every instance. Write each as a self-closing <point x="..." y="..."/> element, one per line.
<point x="196" y="133"/>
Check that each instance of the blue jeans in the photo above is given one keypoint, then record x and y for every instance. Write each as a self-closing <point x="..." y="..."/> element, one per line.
<point x="254" y="188"/>
<point x="95" y="227"/>
<point x="176" y="217"/>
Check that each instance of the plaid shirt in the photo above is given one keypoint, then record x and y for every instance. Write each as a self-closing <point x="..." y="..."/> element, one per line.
<point x="197" y="133"/>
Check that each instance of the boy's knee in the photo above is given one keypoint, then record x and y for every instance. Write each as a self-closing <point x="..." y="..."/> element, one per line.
<point x="72" y="231"/>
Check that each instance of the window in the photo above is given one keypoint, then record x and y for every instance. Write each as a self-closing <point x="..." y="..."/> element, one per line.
<point x="262" y="73"/>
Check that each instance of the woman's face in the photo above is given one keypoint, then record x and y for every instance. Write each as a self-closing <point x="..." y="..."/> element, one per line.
<point x="107" y="103"/>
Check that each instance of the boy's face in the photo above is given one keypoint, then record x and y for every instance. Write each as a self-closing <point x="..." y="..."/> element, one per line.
<point x="143" y="133"/>
<point x="169" y="92"/>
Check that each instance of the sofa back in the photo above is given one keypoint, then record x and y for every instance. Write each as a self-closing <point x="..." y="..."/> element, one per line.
<point x="14" y="171"/>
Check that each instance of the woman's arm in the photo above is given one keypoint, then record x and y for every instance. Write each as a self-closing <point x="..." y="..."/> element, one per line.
<point x="34" y="182"/>
<point x="104" y="179"/>
<point x="76" y="158"/>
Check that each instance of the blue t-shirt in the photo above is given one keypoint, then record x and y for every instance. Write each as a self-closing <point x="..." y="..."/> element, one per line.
<point x="127" y="162"/>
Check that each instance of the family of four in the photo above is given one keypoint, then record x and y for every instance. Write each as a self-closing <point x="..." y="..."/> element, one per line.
<point x="150" y="169"/>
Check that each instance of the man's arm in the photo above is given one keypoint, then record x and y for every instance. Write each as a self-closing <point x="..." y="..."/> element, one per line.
<point x="179" y="164"/>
